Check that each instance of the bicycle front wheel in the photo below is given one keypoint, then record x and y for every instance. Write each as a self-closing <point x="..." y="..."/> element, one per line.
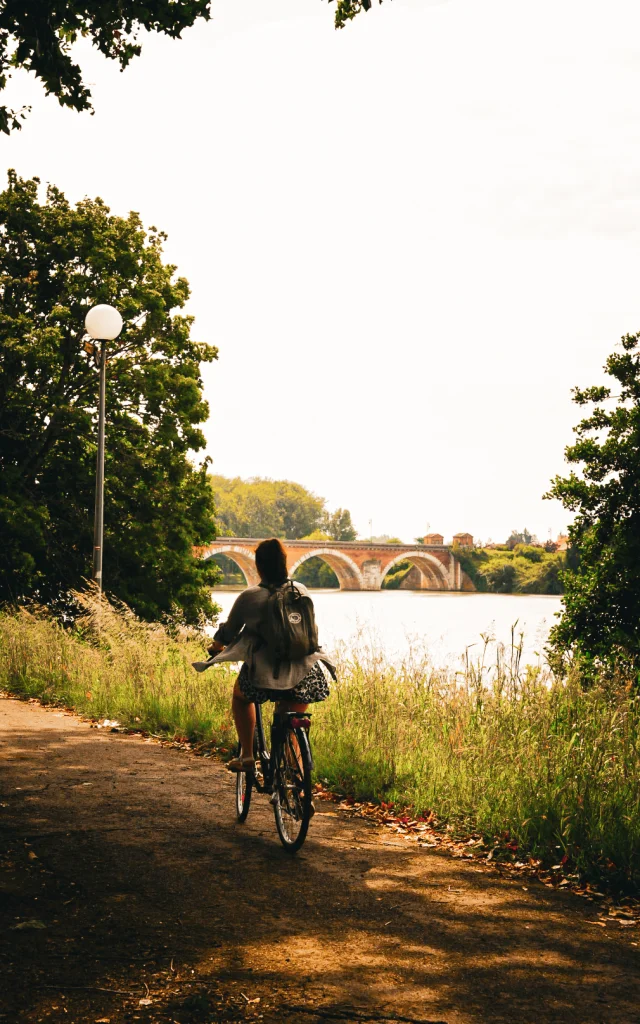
<point x="292" y="788"/>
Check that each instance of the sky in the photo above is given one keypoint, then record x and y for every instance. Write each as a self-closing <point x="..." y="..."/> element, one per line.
<point x="409" y="239"/>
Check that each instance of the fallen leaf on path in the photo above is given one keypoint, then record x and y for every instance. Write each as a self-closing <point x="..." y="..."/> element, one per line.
<point x="30" y="925"/>
<point x="256" y="1000"/>
<point x="145" y="1002"/>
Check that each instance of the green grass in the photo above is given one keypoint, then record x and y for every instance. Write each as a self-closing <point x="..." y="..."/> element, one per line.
<point x="495" y="748"/>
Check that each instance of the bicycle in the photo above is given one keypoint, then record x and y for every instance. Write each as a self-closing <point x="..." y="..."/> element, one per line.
<point x="284" y="773"/>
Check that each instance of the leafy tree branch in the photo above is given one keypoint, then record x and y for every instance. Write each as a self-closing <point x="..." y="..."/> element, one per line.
<point x="38" y="36"/>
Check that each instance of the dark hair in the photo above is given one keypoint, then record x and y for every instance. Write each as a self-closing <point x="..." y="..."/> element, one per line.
<point x="271" y="561"/>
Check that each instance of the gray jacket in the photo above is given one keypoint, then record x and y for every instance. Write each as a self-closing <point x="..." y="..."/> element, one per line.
<point x="241" y="637"/>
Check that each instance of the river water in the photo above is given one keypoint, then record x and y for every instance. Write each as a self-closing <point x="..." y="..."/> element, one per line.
<point x="444" y="624"/>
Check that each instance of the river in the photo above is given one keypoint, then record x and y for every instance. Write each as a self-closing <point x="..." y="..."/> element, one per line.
<point x="443" y="623"/>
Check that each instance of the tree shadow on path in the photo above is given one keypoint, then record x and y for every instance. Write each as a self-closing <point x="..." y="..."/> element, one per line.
<point x="128" y="853"/>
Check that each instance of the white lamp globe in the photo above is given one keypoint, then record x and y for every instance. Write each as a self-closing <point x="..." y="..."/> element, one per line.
<point x="103" y="323"/>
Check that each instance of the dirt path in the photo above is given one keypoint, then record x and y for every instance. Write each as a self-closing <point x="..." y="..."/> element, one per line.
<point x="128" y="853"/>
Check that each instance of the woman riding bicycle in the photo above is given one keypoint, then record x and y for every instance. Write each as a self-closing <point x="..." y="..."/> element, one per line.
<point x="293" y="685"/>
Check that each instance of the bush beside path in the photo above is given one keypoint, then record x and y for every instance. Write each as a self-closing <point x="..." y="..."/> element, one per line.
<point x="130" y="893"/>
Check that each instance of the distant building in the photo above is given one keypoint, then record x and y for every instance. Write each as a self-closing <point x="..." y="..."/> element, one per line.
<point x="463" y="540"/>
<point x="562" y="542"/>
<point x="433" y="538"/>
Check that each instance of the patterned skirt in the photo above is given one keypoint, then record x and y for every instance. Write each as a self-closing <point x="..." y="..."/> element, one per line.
<point x="310" y="690"/>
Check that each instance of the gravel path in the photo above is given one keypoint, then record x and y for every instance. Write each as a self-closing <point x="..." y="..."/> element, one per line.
<point x="128" y="892"/>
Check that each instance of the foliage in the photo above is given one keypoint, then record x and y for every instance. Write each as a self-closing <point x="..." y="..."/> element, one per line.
<point x="265" y="508"/>
<point x="317" y="574"/>
<point x="346" y="10"/>
<point x="397" y="575"/>
<point x="529" y="551"/>
<point x="500" y="574"/>
<point x="339" y="526"/>
<point x="275" y="508"/>
<point x="516" y="538"/>
<point x="601" y="621"/>
<point x="495" y="747"/>
<point x="232" y="574"/>
<point x="525" y="569"/>
<point x="39" y="36"/>
<point x="56" y="261"/>
<point x="318" y="535"/>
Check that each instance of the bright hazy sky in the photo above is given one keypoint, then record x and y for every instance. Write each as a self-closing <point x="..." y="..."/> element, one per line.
<point x="408" y="239"/>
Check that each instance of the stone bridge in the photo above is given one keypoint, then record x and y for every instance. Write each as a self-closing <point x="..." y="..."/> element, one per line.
<point x="357" y="564"/>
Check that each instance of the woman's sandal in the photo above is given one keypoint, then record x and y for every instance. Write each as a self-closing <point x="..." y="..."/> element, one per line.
<point x="241" y="764"/>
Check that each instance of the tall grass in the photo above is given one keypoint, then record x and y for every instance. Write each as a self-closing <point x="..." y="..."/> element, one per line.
<point x="113" y="666"/>
<point x="496" y="747"/>
<point x="500" y="750"/>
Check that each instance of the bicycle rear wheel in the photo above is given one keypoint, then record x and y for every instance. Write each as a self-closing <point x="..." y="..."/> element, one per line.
<point x="244" y="789"/>
<point x="292" y="788"/>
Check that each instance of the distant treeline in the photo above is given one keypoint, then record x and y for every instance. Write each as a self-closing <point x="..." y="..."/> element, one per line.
<point x="523" y="569"/>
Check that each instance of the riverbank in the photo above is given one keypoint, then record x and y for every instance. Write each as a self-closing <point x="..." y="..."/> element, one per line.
<point x="498" y="749"/>
<point x="524" y="569"/>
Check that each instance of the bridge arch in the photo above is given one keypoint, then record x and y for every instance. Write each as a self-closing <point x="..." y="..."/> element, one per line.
<point x="430" y="567"/>
<point x="348" y="573"/>
<point x="244" y="559"/>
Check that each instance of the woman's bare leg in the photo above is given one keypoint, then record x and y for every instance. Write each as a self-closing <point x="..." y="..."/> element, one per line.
<point x="244" y="716"/>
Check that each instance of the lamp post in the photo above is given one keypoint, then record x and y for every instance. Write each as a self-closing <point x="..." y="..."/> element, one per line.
<point x="103" y="324"/>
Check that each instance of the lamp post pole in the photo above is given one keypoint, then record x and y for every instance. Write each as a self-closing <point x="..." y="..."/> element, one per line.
<point x="98" y="519"/>
<point x="102" y="323"/>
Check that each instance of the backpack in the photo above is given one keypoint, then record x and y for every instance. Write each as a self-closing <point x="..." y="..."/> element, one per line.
<point x="289" y="625"/>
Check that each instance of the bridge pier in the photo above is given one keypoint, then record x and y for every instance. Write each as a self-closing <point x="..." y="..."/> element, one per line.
<point x="371" y="572"/>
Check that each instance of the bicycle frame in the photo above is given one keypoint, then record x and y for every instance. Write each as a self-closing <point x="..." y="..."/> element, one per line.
<point x="266" y="763"/>
<point x="266" y="786"/>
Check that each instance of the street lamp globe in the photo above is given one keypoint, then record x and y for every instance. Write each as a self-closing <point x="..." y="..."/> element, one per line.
<point x="103" y="323"/>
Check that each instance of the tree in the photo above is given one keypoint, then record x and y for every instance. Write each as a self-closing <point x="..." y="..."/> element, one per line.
<point x="266" y="508"/>
<point x="56" y="261"/>
<point x="38" y="36"/>
<point x="520" y="538"/>
<point x="276" y="508"/>
<point x="600" y="625"/>
<point x="339" y="526"/>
